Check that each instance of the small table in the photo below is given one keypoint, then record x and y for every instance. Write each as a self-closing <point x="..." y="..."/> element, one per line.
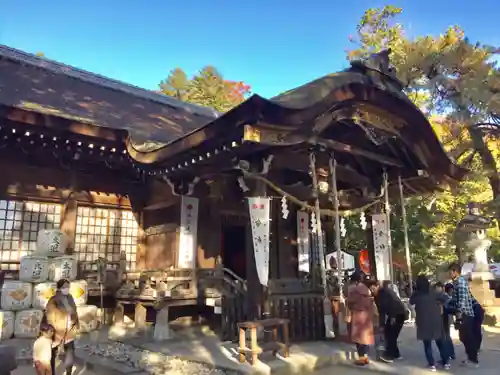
<point x="256" y="349"/>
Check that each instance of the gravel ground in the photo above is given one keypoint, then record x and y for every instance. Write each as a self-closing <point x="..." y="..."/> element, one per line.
<point x="139" y="359"/>
<point x="151" y="362"/>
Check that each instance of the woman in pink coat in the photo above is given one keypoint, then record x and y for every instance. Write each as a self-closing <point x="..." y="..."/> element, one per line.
<point x="360" y="302"/>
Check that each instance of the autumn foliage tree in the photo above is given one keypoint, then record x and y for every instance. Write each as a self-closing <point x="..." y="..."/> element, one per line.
<point x="207" y="88"/>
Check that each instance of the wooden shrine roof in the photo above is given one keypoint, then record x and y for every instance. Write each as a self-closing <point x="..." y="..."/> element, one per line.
<point x="361" y="114"/>
<point x="361" y="111"/>
<point x="43" y="86"/>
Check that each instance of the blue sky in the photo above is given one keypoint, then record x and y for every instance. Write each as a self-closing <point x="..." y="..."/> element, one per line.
<point x="273" y="45"/>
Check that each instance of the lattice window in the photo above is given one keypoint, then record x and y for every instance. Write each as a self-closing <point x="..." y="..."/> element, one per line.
<point x="106" y="233"/>
<point x="19" y="226"/>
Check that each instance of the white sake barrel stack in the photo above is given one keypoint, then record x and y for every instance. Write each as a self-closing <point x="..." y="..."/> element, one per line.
<point x="42" y="293"/>
<point x="34" y="269"/>
<point x="51" y="243"/>
<point x="27" y="323"/>
<point x="16" y="295"/>
<point x="79" y="291"/>
<point x="64" y="267"/>
<point x="88" y="317"/>
<point x="7" y="319"/>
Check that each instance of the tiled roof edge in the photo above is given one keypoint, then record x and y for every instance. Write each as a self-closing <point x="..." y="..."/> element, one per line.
<point x="96" y="79"/>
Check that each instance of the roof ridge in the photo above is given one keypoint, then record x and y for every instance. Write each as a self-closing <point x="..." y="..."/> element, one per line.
<point x="100" y="80"/>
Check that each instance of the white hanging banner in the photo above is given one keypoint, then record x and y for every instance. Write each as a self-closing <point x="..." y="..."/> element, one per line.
<point x="303" y="244"/>
<point x="259" y="217"/>
<point x="348" y="262"/>
<point x="381" y="246"/>
<point x="189" y="228"/>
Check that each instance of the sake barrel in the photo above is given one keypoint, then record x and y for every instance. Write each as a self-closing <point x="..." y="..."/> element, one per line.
<point x="79" y="291"/>
<point x="88" y="316"/>
<point x="34" y="268"/>
<point x="65" y="267"/>
<point x="51" y="242"/>
<point x="7" y="319"/>
<point x="27" y="323"/>
<point x="16" y="295"/>
<point x="42" y="293"/>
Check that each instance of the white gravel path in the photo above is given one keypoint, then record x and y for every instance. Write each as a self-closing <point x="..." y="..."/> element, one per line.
<point x="149" y="361"/>
<point x="137" y="359"/>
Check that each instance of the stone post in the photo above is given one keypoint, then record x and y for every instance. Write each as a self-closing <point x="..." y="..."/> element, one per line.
<point x="162" y="328"/>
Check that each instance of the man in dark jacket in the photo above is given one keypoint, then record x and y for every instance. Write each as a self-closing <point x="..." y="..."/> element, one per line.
<point x="466" y="309"/>
<point x="392" y="314"/>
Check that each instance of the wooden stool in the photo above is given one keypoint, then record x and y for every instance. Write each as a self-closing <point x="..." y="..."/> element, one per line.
<point x="273" y="345"/>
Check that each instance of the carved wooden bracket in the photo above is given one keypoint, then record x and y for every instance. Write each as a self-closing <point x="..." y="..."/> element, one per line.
<point x="246" y="166"/>
<point x="182" y="186"/>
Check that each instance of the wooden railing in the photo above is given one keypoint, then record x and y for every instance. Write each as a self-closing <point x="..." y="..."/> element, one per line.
<point x="155" y="285"/>
<point x="291" y="299"/>
<point x="109" y="273"/>
<point x="305" y="312"/>
<point x="233" y="302"/>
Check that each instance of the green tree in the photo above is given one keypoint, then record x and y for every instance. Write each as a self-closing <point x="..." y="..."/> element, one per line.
<point x="458" y="81"/>
<point x="176" y="85"/>
<point x="207" y="88"/>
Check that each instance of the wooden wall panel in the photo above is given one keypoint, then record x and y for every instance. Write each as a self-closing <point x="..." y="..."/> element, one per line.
<point x="209" y="234"/>
<point x="162" y="237"/>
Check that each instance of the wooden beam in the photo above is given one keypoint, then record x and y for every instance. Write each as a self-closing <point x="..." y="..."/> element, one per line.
<point x="299" y="162"/>
<point x="273" y="137"/>
<point x="39" y="170"/>
<point x="159" y="205"/>
<point x="349" y="149"/>
<point x="20" y="180"/>
<point x="62" y="124"/>
<point x="62" y="195"/>
<point x="322" y="122"/>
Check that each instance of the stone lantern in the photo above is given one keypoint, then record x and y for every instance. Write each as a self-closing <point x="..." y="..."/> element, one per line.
<point x="472" y="229"/>
<point x="471" y="232"/>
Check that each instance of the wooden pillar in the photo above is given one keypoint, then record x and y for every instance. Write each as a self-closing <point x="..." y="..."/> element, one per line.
<point x="68" y="222"/>
<point x="287" y="252"/>
<point x="138" y="199"/>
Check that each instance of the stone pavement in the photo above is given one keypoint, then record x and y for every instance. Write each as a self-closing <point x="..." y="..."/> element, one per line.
<point x="207" y="355"/>
<point x="414" y="362"/>
<point x="312" y="356"/>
